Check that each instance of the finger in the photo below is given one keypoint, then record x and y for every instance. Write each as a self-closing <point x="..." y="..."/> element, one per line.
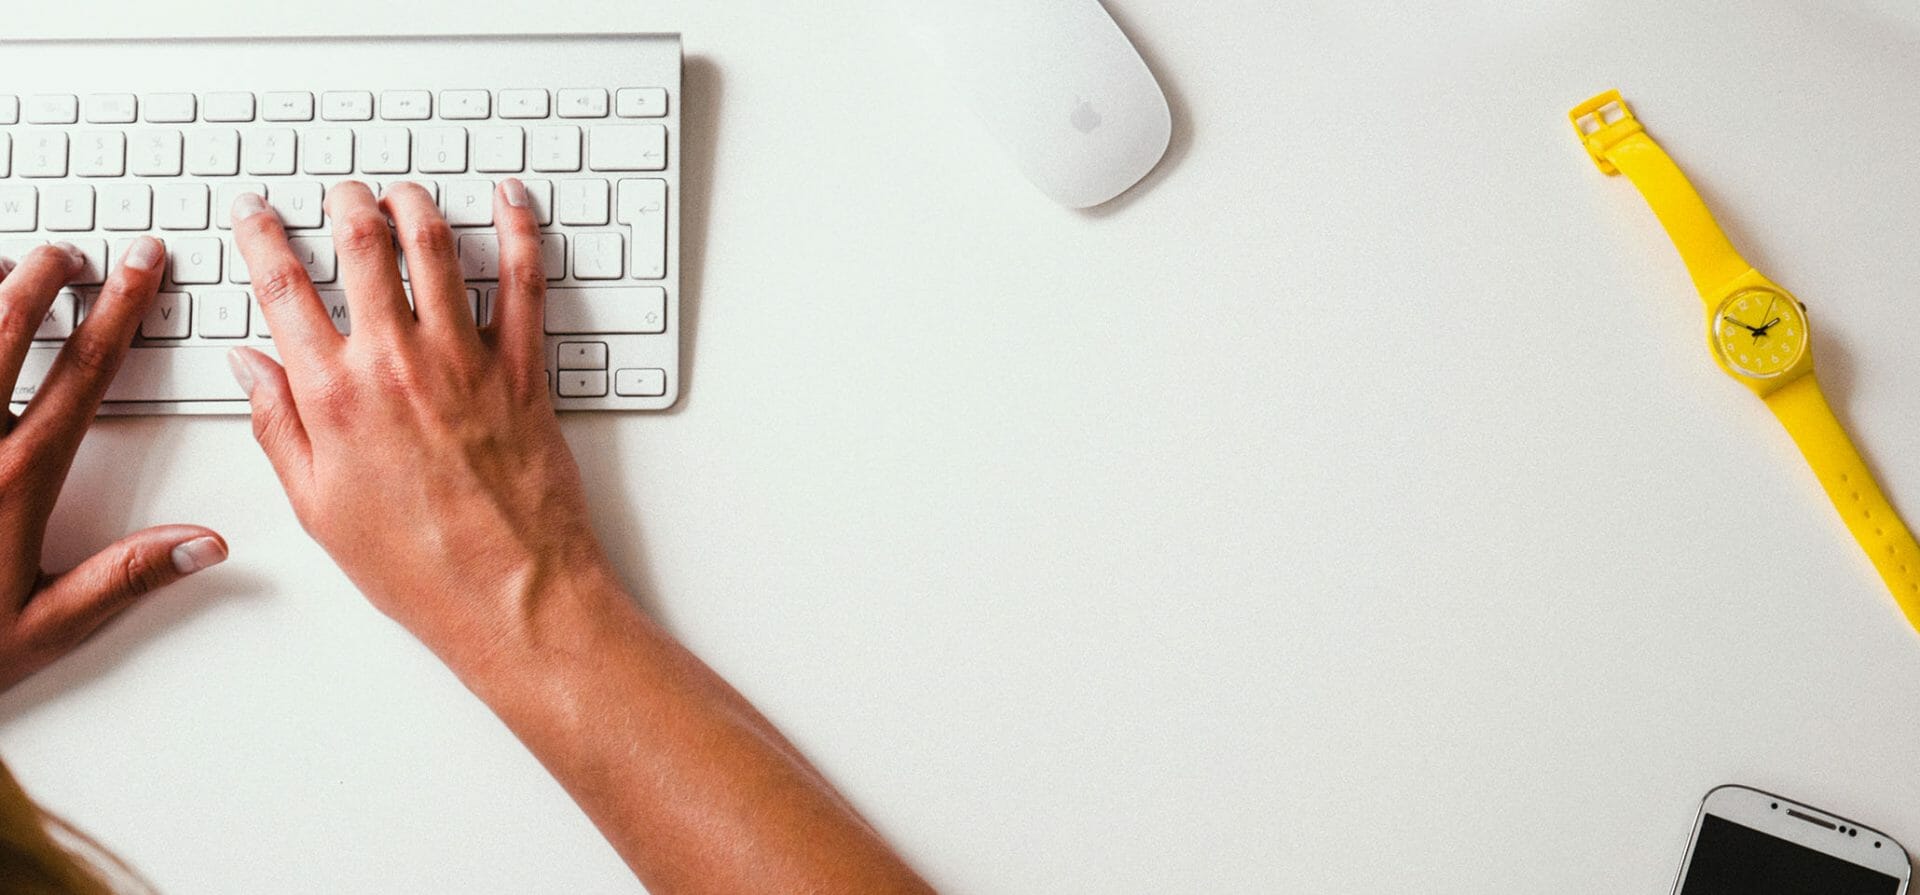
<point x="77" y="603"/>
<point x="301" y="328"/>
<point x="369" y="269"/>
<point x="24" y="298"/>
<point x="6" y="267"/>
<point x="433" y="267"/>
<point x="65" y="404"/>
<point x="276" y="421"/>
<point x="519" y="306"/>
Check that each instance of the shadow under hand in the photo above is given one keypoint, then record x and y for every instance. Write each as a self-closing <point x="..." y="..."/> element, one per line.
<point x="107" y="495"/>
<point x="124" y="637"/>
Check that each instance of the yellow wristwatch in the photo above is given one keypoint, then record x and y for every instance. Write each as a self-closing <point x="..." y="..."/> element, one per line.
<point x="1757" y="332"/>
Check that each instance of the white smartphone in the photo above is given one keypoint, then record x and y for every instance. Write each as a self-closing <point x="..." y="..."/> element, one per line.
<point x="1747" y="842"/>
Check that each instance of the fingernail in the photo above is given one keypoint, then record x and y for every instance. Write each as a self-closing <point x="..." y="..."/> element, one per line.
<point x="242" y="371"/>
<point x="516" y="192"/>
<point x="74" y="256"/>
<point x="247" y="205"/>
<point x="145" y="254"/>
<point x="197" y="554"/>
<point x="6" y="266"/>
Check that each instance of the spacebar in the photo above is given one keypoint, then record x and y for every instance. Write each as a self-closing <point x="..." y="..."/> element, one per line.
<point x="150" y="374"/>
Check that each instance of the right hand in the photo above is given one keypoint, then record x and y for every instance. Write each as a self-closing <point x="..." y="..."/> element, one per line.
<point x="422" y="452"/>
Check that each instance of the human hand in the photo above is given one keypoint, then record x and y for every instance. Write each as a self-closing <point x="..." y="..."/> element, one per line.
<point x="43" y="617"/>
<point x="422" y="451"/>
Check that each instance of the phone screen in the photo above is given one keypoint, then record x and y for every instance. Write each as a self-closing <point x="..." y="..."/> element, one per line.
<point x="1730" y="859"/>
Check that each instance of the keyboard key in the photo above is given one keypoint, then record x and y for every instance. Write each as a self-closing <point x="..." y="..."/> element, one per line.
<point x="230" y="106"/>
<point x="292" y="105"/>
<point x="221" y="315"/>
<point x="555" y="148"/>
<point x="224" y="196"/>
<point x="298" y="203"/>
<point x="156" y="153"/>
<point x="193" y="260"/>
<point x="6" y="154"/>
<point x="521" y="104"/>
<point x="168" y="318"/>
<point x="180" y="206"/>
<point x="640" y="102"/>
<point x="589" y="102"/>
<point x="627" y="147"/>
<point x="599" y="256"/>
<point x="94" y="271"/>
<point x="213" y="153"/>
<point x="41" y="154"/>
<point x="583" y="203"/>
<point x="480" y="256"/>
<point x="316" y="255"/>
<point x="441" y="150"/>
<point x="500" y="149"/>
<point x="465" y="105"/>
<point x="640" y="383"/>
<point x="16" y="248"/>
<point x="169" y="108"/>
<point x="643" y="208"/>
<point x="100" y="154"/>
<point x="60" y="317"/>
<point x="69" y="207"/>
<point x="540" y="196"/>
<point x="110" y="108"/>
<point x="269" y="150"/>
<point x="583" y="383"/>
<point x="385" y="150"/>
<point x="336" y="305"/>
<point x="126" y="206"/>
<point x="10" y="108"/>
<point x="19" y="209"/>
<point x="406" y="105"/>
<point x="632" y="309"/>
<point x="553" y="255"/>
<point x="582" y="356"/>
<point x="53" y="108"/>
<point x="327" y="150"/>
<point x="172" y="373"/>
<point x="350" y="105"/>
<point x="469" y="203"/>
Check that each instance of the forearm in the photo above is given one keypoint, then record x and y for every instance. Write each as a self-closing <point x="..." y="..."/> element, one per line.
<point x="695" y="789"/>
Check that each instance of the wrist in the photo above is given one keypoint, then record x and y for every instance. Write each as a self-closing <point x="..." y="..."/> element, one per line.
<point x="540" y="610"/>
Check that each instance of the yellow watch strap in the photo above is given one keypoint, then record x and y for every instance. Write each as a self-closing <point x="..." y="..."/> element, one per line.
<point x="1619" y="145"/>
<point x="1804" y="411"/>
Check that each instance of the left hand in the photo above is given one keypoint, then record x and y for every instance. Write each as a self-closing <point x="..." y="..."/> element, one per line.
<point x="42" y="616"/>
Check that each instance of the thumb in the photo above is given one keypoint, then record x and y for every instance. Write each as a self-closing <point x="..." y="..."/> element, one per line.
<point x="74" y="605"/>
<point x="276" y="421"/>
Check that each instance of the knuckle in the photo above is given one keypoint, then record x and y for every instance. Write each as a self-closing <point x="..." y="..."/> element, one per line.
<point x="525" y="277"/>
<point x="133" y="574"/>
<point x="16" y="321"/>
<point x="92" y="357"/>
<point x="279" y="282"/>
<point x="332" y="395"/>
<point x="362" y="234"/>
<point x="432" y="237"/>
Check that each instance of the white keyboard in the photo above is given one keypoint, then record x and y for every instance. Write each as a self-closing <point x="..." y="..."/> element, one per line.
<point x="101" y="141"/>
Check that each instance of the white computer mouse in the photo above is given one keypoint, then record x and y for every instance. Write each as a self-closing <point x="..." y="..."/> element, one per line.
<point x="1059" y="85"/>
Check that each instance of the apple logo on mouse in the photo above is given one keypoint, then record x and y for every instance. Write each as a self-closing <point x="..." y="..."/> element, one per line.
<point x="1085" y="119"/>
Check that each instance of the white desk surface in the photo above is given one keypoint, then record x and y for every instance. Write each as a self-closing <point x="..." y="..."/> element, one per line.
<point x="1353" y="509"/>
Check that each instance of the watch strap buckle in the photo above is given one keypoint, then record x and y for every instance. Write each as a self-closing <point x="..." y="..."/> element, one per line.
<point x="1602" y="122"/>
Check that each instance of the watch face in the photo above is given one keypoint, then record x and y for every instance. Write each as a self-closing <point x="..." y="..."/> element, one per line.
<point x="1760" y="332"/>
